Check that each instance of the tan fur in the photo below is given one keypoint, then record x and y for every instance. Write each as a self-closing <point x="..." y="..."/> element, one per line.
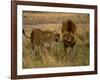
<point x="42" y="38"/>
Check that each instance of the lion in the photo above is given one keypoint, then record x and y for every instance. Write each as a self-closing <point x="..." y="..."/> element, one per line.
<point x="43" y="39"/>
<point x="68" y="34"/>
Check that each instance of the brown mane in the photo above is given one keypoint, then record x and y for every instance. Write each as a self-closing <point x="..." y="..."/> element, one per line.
<point x="68" y="34"/>
<point x="69" y="26"/>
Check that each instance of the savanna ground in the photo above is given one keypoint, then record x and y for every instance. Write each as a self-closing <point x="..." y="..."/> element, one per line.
<point x="56" y="57"/>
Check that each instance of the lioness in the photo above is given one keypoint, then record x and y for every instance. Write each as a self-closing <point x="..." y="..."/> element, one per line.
<point x="43" y="39"/>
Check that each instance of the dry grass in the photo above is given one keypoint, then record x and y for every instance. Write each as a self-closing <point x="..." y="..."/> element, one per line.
<point x="56" y="57"/>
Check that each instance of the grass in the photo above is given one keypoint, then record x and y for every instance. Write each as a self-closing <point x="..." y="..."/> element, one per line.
<point x="56" y="57"/>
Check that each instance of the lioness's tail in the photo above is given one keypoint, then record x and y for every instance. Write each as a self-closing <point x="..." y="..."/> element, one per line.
<point x="26" y="35"/>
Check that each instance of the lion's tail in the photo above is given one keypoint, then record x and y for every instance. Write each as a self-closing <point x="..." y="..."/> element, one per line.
<point x="26" y="35"/>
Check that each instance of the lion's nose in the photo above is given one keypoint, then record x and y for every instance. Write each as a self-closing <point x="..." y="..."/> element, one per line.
<point x="67" y="38"/>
